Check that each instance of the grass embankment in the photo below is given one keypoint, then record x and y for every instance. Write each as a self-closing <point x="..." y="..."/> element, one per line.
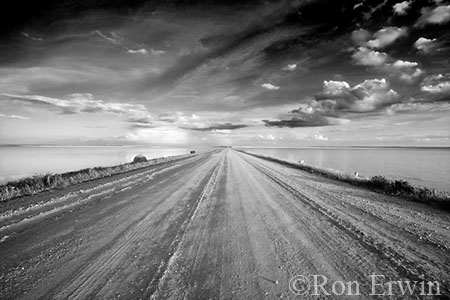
<point x="39" y="183"/>
<point x="399" y="188"/>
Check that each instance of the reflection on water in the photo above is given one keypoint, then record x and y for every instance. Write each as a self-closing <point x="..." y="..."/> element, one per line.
<point x="18" y="162"/>
<point x="428" y="167"/>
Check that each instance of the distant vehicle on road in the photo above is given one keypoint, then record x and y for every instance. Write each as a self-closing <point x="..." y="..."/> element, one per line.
<point x="192" y="152"/>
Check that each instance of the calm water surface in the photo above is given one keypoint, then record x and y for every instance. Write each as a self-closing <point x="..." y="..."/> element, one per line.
<point x="428" y="167"/>
<point x="19" y="162"/>
<point x="420" y="166"/>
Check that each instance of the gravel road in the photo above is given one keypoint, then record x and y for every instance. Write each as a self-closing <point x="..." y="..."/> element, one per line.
<point x="218" y="225"/>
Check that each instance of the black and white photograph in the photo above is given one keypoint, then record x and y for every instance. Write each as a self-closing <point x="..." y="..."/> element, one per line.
<point x="224" y="149"/>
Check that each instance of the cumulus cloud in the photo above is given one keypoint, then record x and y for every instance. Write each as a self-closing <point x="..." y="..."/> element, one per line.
<point x="268" y="137"/>
<point x="366" y="57"/>
<point x="386" y="36"/>
<point x="437" y="15"/>
<point x="290" y="67"/>
<point x="373" y="94"/>
<point x="407" y="71"/>
<point x="366" y="54"/>
<point x="411" y="75"/>
<point x="425" y="45"/>
<point x="14" y="117"/>
<point x="83" y="103"/>
<point x="270" y="86"/>
<point x="370" y="95"/>
<point x="436" y="84"/>
<point x="320" y="137"/>
<point x="404" y="64"/>
<point x="401" y="8"/>
<point x="335" y="88"/>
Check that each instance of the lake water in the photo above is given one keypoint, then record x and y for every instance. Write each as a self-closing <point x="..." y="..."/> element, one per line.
<point x="428" y="167"/>
<point x="19" y="162"/>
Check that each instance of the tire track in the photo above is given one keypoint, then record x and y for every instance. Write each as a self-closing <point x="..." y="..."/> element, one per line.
<point x="166" y="267"/>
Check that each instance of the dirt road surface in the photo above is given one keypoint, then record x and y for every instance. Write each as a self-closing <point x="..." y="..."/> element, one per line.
<point x="218" y="225"/>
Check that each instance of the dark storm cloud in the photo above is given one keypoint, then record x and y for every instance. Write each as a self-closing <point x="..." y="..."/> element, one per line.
<point x="170" y="118"/>
<point x="225" y="126"/>
<point x="294" y="122"/>
<point x="141" y="120"/>
<point x="142" y="126"/>
<point x="307" y="115"/>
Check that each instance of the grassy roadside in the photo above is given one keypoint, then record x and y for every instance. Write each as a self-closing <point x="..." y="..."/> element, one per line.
<point x="39" y="183"/>
<point x="381" y="184"/>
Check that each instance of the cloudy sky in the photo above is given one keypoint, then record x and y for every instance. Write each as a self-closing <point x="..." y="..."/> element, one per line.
<point x="256" y="73"/>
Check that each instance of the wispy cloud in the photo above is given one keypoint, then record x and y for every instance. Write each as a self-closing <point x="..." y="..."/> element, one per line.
<point x="37" y="39"/>
<point x="120" y="41"/>
<point x="14" y="117"/>
<point x="82" y="103"/>
<point x="145" y="51"/>
<point x="111" y="38"/>
<point x="138" y="51"/>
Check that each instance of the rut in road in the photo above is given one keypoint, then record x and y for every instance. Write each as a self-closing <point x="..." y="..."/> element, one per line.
<point x="180" y="239"/>
<point x="384" y="252"/>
